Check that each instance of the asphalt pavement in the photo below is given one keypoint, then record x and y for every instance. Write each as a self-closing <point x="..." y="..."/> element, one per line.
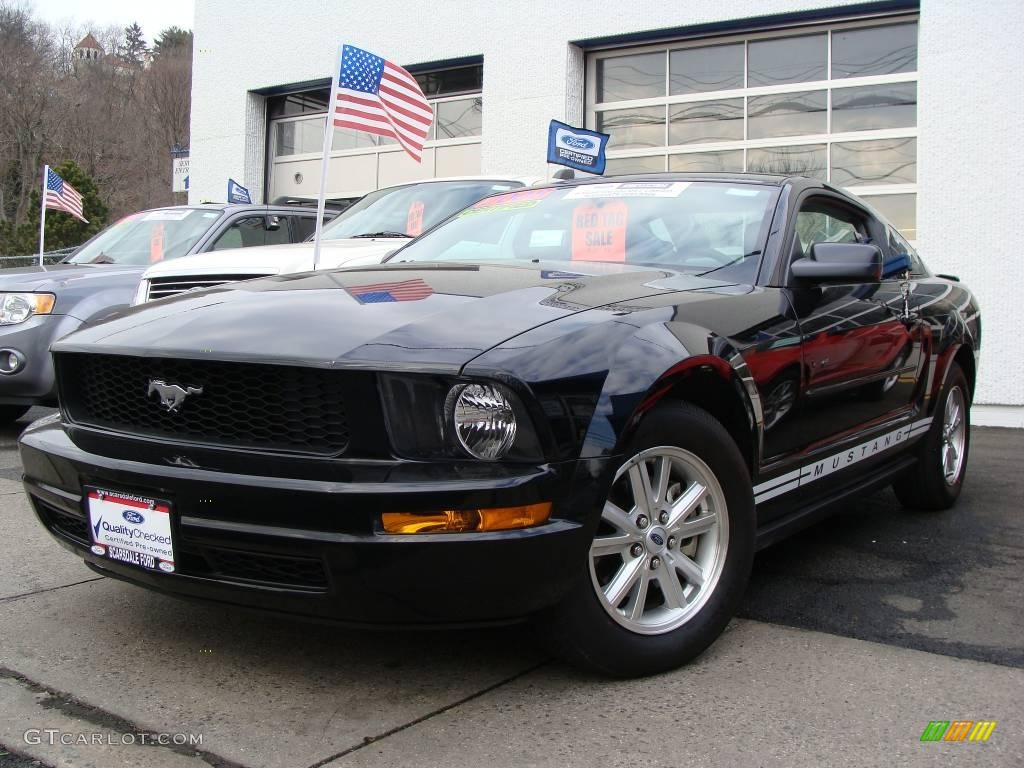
<point x="853" y="636"/>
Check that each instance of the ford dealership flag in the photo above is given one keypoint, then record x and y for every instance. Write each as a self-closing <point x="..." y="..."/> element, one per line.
<point x="576" y="147"/>
<point x="237" y="193"/>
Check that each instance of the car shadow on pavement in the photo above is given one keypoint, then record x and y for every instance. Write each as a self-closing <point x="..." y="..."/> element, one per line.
<point x="944" y="582"/>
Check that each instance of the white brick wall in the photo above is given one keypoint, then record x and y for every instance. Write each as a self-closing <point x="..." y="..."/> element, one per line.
<point x="970" y="161"/>
<point x="971" y="171"/>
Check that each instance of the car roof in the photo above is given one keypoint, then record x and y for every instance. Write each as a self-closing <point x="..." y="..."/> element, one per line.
<point x="497" y="178"/>
<point x="234" y="207"/>
<point x="746" y="178"/>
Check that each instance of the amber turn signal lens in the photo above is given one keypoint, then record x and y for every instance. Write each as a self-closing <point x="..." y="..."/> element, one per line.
<point x="466" y="520"/>
<point x="44" y="303"/>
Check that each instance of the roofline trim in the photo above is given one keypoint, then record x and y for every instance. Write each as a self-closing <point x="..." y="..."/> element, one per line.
<point x="753" y="24"/>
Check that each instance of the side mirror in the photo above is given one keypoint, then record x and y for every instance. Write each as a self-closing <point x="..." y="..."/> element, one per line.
<point x="839" y="263"/>
<point x="272" y="223"/>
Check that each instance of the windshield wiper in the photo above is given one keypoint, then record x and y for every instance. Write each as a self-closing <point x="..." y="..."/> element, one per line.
<point x="383" y="234"/>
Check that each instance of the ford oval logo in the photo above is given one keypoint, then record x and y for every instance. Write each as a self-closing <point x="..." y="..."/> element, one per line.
<point x="577" y="142"/>
<point x="132" y="516"/>
<point x="656" y="538"/>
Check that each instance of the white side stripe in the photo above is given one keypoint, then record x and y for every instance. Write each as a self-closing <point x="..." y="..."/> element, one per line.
<point x="823" y="467"/>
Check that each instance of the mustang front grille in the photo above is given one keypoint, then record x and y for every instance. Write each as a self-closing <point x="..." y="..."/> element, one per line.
<point x="238" y="405"/>
<point x="162" y="287"/>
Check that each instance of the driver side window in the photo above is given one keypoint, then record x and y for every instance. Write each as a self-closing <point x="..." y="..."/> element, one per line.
<point x="820" y="222"/>
<point x="250" y="231"/>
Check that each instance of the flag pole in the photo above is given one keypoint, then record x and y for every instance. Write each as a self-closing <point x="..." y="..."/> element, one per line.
<point x="328" y="141"/>
<point x="42" y="212"/>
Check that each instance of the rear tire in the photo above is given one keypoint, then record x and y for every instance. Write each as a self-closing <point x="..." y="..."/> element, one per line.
<point x="671" y="557"/>
<point x="934" y="483"/>
<point x="11" y="413"/>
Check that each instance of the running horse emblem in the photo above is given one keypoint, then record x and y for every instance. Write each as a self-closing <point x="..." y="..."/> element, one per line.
<point x="171" y="395"/>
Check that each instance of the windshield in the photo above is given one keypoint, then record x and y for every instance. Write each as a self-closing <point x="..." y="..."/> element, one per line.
<point x="407" y="211"/>
<point x="146" y="238"/>
<point x="695" y="226"/>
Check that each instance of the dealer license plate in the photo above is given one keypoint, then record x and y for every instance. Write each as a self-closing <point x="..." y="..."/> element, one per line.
<point x="131" y="529"/>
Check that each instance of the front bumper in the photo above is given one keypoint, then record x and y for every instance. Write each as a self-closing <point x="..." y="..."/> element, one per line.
<point x="34" y="383"/>
<point x="313" y="547"/>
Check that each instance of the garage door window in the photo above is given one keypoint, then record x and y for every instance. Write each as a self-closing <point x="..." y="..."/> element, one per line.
<point x="837" y="102"/>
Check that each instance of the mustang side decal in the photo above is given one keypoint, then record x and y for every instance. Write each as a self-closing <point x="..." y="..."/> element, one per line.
<point x="816" y="470"/>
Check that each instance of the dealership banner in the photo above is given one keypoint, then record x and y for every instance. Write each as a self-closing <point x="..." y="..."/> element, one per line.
<point x="237" y="193"/>
<point x="576" y="148"/>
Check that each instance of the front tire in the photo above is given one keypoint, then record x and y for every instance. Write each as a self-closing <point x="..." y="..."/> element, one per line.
<point x="672" y="554"/>
<point x="935" y="482"/>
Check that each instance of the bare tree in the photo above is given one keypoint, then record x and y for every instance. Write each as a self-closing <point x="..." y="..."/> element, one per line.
<point x="117" y="116"/>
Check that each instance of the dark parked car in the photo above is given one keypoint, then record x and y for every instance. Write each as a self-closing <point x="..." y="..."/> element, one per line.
<point x="41" y="304"/>
<point x="553" y="405"/>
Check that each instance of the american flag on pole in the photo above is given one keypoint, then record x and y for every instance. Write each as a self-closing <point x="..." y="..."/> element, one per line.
<point x="61" y="196"/>
<point x="404" y="290"/>
<point x="377" y="96"/>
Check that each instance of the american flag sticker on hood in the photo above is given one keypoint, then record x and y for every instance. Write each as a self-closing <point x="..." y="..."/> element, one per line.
<point x="376" y="293"/>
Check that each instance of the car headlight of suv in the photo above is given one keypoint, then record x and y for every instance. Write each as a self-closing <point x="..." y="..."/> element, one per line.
<point x="18" y="307"/>
<point x="433" y="417"/>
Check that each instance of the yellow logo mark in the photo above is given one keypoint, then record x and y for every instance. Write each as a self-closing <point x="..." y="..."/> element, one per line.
<point x="982" y="730"/>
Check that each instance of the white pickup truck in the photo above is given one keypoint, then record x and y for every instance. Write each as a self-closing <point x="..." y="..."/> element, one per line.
<point x="365" y="233"/>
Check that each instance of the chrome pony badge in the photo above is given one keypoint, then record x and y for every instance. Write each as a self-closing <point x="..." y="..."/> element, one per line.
<point x="171" y="395"/>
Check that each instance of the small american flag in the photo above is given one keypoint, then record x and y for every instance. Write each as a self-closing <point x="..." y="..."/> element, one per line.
<point x="61" y="196"/>
<point x="377" y="96"/>
<point x="376" y="293"/>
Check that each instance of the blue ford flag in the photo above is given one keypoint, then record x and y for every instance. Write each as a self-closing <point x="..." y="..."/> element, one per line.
<point x="237" y="193"/>
<point x="576" y="147"/>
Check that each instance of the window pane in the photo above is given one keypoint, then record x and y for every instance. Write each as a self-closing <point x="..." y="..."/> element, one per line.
<point x="819" y="227"/>
<point x="447" y="82"/>
<point x="808" y="160"/>
<point x="631" y="77"/>
<point x="708" y="162"/>
<point x="655" y="164"/>
<point x="347" y="138"/>
<point x="787" y="60"/>
<point x="299" y="137"/>
<point x="874" y="51"/>
<point x="698" y="70"/>
<point x="874" y="106"/>
<point x="634" y="128"/>
<point x="459" y="118"/>
<point x="720" y="120"/>
<point x="786" y="114"/>
<point x="900" y="210"/>
<point x="887" y="161"/>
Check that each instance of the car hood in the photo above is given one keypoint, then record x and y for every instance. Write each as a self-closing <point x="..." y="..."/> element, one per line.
<point x="277" y="259"/>
<point x="415" y="315"/>
<point x="58" y="276"/>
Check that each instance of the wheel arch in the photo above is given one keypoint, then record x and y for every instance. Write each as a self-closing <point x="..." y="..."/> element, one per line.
<point x="712" y="384"/>
<point x="964" y="357"/>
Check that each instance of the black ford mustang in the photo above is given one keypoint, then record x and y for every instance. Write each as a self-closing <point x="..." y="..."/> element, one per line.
<point x="587" y="403"/>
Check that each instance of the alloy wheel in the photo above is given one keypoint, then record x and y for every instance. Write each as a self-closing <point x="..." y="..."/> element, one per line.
<point x="954" y="436"/>
<point x="661" y="545"/>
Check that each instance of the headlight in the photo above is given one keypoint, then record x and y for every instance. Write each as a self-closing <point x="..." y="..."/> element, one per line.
<point x="483" y="420"/>
<point x="19" y="307"/>
<point x="439" y="417"/>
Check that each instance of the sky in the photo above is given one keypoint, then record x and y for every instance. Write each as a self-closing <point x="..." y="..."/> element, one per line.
<point x="151" y="15"/>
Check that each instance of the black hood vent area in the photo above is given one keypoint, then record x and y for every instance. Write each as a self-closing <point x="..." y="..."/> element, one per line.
<point x="278" y="408"/>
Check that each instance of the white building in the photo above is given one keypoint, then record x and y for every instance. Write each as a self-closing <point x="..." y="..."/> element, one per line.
<point x="908" y="104"/>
